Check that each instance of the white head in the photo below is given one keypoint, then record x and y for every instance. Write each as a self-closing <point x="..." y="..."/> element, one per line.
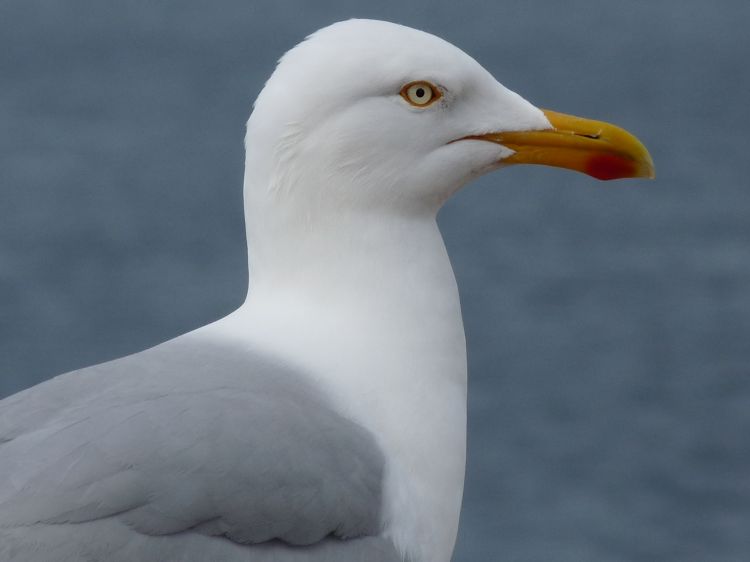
<point x="333" y="106"/>
<point x="337" y="133"/>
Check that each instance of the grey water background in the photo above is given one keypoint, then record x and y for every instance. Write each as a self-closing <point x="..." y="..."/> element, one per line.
<point x="607" y="324"/>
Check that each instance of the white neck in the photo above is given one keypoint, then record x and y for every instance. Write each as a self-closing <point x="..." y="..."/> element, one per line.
<point x="374" y="312"/>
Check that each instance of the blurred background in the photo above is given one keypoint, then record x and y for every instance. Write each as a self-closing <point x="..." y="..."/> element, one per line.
<point x="608" y="324"/>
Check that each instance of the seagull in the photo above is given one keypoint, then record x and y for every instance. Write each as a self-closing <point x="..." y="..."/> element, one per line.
<point x="325" y="419"/>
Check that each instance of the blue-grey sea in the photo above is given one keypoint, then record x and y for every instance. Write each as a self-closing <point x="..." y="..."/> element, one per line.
<point x="608" y="325"/>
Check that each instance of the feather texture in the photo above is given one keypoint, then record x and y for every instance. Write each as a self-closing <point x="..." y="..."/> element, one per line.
<point x="189" y="439"/>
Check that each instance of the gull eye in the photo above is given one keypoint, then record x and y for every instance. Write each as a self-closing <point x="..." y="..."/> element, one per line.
<point x="420" y="94"/>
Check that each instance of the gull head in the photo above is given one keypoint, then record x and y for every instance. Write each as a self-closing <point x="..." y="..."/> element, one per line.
<point x="373" y="118"/>
<point x="370" y="113"/>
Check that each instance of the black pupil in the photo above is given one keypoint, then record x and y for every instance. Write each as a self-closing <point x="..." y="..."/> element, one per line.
<point x="420" y="92"/>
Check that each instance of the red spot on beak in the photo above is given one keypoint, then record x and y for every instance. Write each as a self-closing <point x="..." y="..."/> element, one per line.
<point x="610" y="167"/>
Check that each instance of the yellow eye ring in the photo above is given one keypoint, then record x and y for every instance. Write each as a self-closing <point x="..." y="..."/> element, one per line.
<point x="421" y="93"/>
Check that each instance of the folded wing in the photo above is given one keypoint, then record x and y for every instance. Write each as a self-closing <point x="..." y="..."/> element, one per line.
<point x="189" y="446"/>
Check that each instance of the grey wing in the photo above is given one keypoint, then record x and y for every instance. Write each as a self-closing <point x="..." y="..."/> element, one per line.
<point x="190" y="450"/>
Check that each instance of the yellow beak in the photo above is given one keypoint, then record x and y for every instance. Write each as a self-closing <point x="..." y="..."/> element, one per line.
<point x="598" y="149"/>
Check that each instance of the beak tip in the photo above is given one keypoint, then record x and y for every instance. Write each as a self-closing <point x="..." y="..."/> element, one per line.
<point x="648" y="168"/>
<point x="638" y="164"/>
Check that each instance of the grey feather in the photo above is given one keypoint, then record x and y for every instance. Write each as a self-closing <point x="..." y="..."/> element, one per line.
<point x="52" y="543"/>
<point x="191" y="446"/>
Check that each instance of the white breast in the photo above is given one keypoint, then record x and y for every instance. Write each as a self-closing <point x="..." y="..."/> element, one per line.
<point x="385" y="337"/>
